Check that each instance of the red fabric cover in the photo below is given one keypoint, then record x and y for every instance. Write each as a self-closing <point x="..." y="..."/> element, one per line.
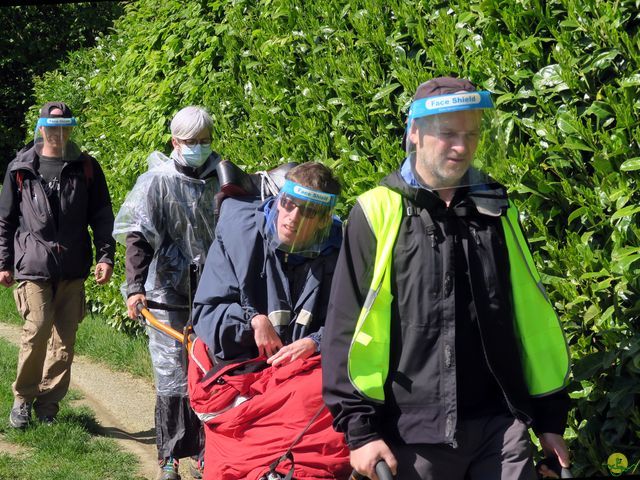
<point x="244" y="440"/>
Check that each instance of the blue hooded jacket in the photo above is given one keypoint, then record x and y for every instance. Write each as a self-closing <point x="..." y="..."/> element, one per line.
<point x="244" y="276"/>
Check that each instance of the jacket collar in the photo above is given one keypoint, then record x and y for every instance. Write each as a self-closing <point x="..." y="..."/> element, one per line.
<point x="484" y="194"/>
<point x="29" y="159"/>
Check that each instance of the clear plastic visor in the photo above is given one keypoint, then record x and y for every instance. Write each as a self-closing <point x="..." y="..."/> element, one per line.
<point x="53" y="137"/>
<point x="449" y="140"/>
<point x="300" y="219"/>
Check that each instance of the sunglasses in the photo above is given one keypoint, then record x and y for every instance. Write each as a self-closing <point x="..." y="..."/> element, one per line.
<point x="192" y="142"/>
<point x="307" y="210"/>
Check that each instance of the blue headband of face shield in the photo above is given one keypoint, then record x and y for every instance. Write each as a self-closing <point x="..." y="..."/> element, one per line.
<point x="57" y="122"/>
<point x="308" y="194"/>
<point x="449" y="103"/>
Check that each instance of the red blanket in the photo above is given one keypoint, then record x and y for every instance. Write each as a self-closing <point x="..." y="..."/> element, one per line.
<point x="243" y="439"/>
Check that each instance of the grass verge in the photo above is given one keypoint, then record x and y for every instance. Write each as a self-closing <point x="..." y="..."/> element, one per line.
<point x="96" y="340"/>
<point x="65" y="450"/>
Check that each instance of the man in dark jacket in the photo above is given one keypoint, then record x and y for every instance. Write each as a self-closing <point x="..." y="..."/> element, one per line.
<point x="266" y="281"/>
<point x="440" y="347"/>
<point x="52" y="192"/>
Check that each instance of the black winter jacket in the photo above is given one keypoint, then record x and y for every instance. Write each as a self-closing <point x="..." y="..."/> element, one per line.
<point x="36" y="247"/>
<point x="422" y="403"/>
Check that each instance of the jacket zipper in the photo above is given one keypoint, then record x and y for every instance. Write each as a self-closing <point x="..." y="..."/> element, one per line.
<point x="449" y="423"/>
<point x="513" y="410"/>
<point x="56" y="226"/>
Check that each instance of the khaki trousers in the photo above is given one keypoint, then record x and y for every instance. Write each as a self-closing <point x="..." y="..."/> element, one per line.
<point x="51" y="314"/>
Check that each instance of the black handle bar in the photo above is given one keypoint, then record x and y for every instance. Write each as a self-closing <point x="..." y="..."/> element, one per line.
<point x="382" y="470"/>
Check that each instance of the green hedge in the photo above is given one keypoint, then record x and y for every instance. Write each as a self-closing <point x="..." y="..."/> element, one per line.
<point x="35" y="38"/>
<point x="332" y="80"/>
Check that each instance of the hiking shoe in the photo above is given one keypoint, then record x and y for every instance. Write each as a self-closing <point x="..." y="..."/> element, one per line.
<point x="47" y="419"/>
<point x="169" y="469"/>
<point x="20" y="415"/>
<point x="196" y="468"/>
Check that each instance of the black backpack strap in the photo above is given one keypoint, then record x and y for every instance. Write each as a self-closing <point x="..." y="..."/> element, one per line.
<point x="429" y="226"/>
<point x="410" y="210"/>
<point x="87" y="168"/>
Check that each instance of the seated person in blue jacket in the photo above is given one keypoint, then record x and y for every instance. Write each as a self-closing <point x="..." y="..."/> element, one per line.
<point x="266" y="281"/>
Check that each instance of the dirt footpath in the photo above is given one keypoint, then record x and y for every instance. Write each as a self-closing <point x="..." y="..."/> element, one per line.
<point x="123" y="405"/>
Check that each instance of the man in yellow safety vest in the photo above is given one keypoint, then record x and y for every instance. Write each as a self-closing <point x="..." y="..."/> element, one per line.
<point x="441" y="347"/>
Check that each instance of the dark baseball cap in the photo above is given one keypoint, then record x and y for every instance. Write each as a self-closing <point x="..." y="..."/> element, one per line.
<point x="443" y="86"/>
<point x="439" y="86"/>
<point x="45" y="111"/>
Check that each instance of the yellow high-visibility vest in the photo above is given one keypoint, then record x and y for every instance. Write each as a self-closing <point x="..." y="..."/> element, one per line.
<point x="545" y="355"/>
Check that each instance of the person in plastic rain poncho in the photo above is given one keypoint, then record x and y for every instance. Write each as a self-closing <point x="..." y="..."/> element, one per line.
<point x="167" y="225"/>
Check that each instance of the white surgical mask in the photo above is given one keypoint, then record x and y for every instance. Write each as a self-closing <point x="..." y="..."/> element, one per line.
<point x="195" y="156"/>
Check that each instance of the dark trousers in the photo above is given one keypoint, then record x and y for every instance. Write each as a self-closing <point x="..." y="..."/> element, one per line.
<point x="178" y="430"/>
<point x="489" y="448"/>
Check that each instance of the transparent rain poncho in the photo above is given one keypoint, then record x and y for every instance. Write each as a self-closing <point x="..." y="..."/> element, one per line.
<point x="175" y="214"/>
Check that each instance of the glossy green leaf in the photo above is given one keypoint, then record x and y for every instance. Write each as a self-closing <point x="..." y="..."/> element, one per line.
<point x="625" y="212"/>
<point x="549" y="77"/>
<point x="630" y="165"/>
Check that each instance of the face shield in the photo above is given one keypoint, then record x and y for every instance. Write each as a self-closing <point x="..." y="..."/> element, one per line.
<point x="300" y="219"/>
<point x="52" y="137"/>
<point x="444" y="133"/>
